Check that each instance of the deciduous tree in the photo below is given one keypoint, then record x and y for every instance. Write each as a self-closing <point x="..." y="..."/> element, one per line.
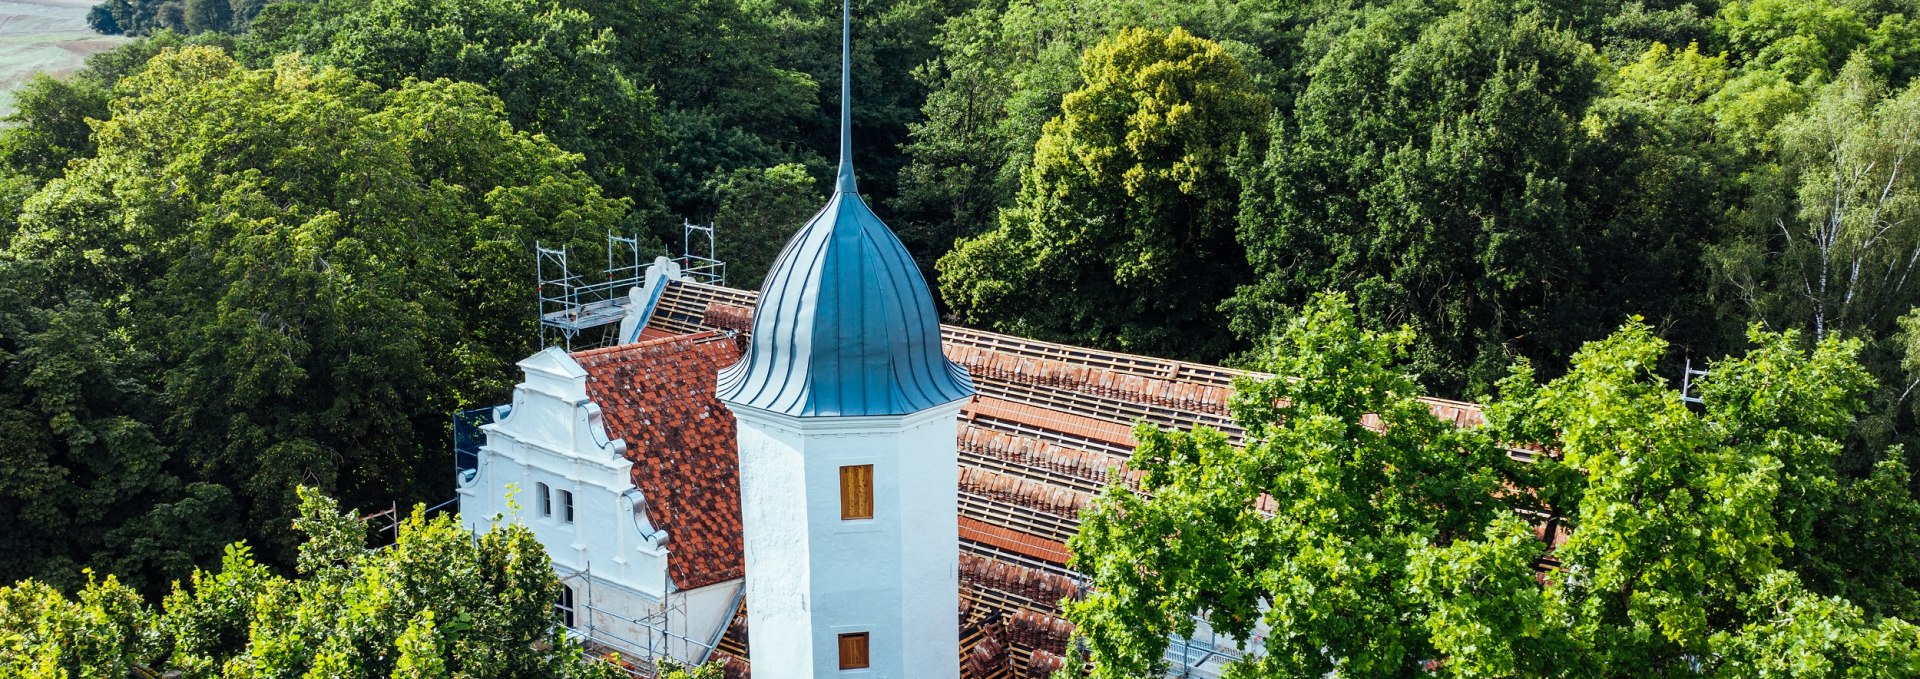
<point x="1123" y="232"/>
<point x="438" y="602"/>
<point x="314" y="270"/>
<point x="760" y="208"/>
<point x="1353" y="532"/>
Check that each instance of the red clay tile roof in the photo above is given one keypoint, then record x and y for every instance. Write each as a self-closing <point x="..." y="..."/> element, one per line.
<point x="658" y="396"/>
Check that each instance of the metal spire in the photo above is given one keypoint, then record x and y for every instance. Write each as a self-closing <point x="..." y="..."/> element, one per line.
<point x="845" y="185"/>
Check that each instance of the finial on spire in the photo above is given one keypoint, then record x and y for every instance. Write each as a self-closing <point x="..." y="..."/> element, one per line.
<point x="845" y="184"/>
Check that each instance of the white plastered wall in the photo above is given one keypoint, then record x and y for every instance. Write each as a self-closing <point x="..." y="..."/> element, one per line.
<point x="812" y="576"/>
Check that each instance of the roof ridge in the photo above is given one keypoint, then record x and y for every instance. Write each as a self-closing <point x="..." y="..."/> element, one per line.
<point x="644" y="344"/>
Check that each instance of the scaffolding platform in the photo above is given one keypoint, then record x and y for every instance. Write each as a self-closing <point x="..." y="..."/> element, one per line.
<point x="591" y="314"/>
<point x="577" y="314"/>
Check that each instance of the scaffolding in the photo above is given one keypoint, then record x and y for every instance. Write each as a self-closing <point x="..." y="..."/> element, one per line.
<point x="1688" y="382"/>
<point x="702" y="268"/>
<point x="577" y="314"/>
<point x="660" y="639"/>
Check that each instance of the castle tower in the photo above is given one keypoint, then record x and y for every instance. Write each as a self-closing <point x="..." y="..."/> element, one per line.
<point x="848" y="471"/>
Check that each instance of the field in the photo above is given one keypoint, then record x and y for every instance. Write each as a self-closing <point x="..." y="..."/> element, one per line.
<point x="49" y="36"/>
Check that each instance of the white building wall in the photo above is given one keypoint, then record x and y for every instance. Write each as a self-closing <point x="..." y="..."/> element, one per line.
<point x="895" y="576"/>
<point x="685" y="627"/>
<point x="776" y="527"/>
<point x="610" y="554"/>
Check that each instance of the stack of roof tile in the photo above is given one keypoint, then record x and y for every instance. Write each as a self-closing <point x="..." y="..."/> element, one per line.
<point x="1034" y="584"/>
<point x="1030" y="493"/>
<point x="1040" y="631"/>
<point x="1094" y="467"/>
<point x="984" y="363"/>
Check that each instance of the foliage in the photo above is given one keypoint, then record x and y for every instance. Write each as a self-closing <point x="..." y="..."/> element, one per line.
<point x="1000" y="73"/>
<point x="439" y="602"/>
<point x="1355" y="533"/>
<point x="1832" y="247"/>
<point x="1127" y="203"/>
<point x="86" y="478"/>
<point x="98" y="633"/>
<point x="670" y="669"/>
<point x="49" y="125"/>
<point x="1461" y="174"/>
<point x="1306" y="531"/>
<point x="223" y="277"/>
<point x="759" y="210"/>
<point x="148" y="17"/>
<point x="552" y="68"/>
<point x="310" y="270"/>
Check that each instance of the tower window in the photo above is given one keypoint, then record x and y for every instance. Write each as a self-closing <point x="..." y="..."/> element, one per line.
<point x="546" y="500"/>
<point x="565" y="606"/>
<point x="856" y="492"/>
<point x="566" y="506"/>
<point x="853" y="651"/>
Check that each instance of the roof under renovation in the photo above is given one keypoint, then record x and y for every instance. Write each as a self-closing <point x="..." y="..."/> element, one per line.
<point x="1050" y="426"/>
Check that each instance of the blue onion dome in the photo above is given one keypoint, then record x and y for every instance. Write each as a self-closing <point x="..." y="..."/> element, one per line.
<point x="845" y="324"/>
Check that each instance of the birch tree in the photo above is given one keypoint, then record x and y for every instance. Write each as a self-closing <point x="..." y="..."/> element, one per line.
<point x="1835" y="245"/>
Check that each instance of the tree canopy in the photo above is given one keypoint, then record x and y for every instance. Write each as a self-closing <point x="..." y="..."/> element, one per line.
<point x="437" y="602"/>
<point x="1356" y="533"/>
<point x="273" y="243"/>
<point x="1127" y="203"/>
<point x="286" y="276"/>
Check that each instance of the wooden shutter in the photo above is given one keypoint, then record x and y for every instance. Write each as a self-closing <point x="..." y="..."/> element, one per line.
<point x="856" y="492"/>
<point x="853" y="650"/>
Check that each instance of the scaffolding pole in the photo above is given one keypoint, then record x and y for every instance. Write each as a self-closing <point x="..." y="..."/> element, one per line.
<point x="705" y="268"/>
<point x="578" y="314"/>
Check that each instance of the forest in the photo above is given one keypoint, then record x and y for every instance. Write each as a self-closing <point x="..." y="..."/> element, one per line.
<point x="272" y="244"/>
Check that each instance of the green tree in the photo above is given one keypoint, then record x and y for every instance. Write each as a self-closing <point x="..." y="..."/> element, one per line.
<point x="1356" y="533"/>
<point x="1460" y="173"/>
<point x="99" y="633"/>
<point x="1000" y="71"/>
<point x="438" y="602"/>
<point x="759" y="210"/>
<point x="87" y="479"/>
<point x="208" y="15"/>
<point x="48" y="126"/>
<point x="1128" y="205"/>
<point x="314" y="269"/>
<point x="1306" y="531"/>
<point x="1831" y="242"/>
<point x="670" y="669"/>
<point x="552" y="68"/>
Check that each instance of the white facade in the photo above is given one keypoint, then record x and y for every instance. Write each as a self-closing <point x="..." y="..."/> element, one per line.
<point x="549" y="465"/>
<point x="812" y="576"/>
